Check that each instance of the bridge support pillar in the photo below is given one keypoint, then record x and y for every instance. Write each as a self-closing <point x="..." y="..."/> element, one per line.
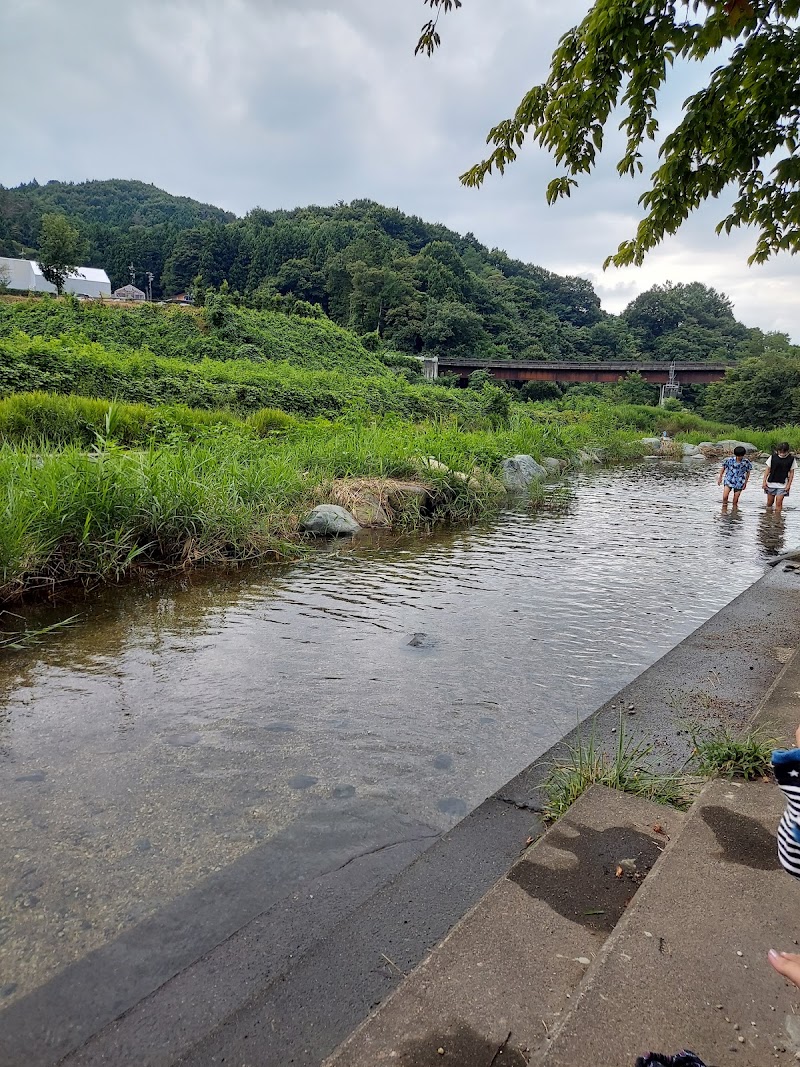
<point x="430" y="367"/>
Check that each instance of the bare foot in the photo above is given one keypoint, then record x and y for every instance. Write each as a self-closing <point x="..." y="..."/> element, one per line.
<point x="787" y="964"/>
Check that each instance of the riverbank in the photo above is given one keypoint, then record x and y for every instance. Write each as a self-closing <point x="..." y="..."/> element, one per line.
<point x="97" y="491"/>
<point x="170" y="488"/>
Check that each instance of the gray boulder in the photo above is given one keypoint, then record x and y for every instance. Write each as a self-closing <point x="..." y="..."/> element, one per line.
<point x="551" y="464"/>
<point x="728" y="446"/>
<point x="329" y="520"/>
<point x="690" y="450"/>
<point x="520" y="471"/>
<point x="653" y="444"/>
<point x="585" y="457"/>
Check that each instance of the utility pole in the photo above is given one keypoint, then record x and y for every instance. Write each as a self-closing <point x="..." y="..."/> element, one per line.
<point x="149" y="277"/>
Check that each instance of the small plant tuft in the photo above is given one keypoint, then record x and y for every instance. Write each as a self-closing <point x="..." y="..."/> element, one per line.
<point x="626" y="769"/>
<point x="556" y="499"/>
<point x="268" y="421"/>
<point x="722" y="753"/>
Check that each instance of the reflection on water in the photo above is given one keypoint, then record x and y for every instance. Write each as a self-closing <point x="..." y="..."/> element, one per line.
<point x="182" y="725"/>
<point x="771" y="532"/>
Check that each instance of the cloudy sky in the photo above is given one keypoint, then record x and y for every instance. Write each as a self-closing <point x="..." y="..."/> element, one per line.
<point x="280" y="103"/>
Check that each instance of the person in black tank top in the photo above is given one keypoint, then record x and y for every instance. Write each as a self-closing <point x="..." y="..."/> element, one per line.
<point x="778" y="475"/>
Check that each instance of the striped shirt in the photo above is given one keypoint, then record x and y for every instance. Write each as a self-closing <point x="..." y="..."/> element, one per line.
<point x="786" y="765"/>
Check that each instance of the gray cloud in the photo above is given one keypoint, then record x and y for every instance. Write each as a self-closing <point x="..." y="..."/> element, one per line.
<point x="279" y="103"/>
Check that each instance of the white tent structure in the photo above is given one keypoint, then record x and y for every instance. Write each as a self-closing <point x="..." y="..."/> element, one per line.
<point x="25" y="276"/>
<point x="129" y="292"/>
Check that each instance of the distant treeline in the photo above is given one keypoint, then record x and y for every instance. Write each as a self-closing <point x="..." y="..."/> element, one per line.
<point x="391" y="278"/>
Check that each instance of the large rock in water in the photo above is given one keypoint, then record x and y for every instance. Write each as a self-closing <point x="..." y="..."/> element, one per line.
<point x="520" y="471"/>
<point x="327" y="520"/>
<point x="728" y="446"/>
<point x="653" y="444"/>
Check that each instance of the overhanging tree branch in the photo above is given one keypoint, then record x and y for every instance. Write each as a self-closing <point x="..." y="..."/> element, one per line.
<point x="730" y="134"/>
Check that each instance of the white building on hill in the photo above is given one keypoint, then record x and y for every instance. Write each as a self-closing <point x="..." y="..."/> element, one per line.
<point x="129" y="292"/>
<point x="25" y="276"/>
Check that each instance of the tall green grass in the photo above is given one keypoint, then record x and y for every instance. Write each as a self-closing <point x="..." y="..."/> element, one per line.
<point x="63" y="420"/>
<point x="70" y="514"/>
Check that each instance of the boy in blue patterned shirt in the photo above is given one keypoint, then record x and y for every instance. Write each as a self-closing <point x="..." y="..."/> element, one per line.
<point x="734" y="475"/>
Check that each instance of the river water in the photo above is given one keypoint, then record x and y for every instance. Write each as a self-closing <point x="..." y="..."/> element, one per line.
<point x="179" y="727"/>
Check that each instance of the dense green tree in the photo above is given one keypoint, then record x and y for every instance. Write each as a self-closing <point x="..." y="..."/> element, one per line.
<point x="609" y="339"/>
<point x="686" y="322"/>
<point x="762" y="392"/>
<point x="634" y="389"/>
<point x="479" y="378"/>
<point x="60" y="250"/>
<point x="184" y="262"/>
<point x="741" y="129"/>
<point x="540" y="391"/>
<point x="302" y="278"/>
<point x="452" y="329"/>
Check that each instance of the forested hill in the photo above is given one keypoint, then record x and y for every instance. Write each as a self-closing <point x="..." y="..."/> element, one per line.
<point x="377" y="271"/>
<point x="114" y="204"/>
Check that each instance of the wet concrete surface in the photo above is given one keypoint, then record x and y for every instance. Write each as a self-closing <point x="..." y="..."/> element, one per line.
<point x="62" y="1014"/>
<point x="574" y="892"/>
<point x="331" y="991"/>
<point x="510" y="968"/>
<point x="687" y="967"/>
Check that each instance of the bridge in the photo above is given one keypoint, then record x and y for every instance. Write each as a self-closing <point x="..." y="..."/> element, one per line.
<point x="666" y="374"/>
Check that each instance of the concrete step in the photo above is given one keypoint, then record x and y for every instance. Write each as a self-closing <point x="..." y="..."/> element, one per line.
<point x="687" y="965"/>
<point x="494" y="988"/>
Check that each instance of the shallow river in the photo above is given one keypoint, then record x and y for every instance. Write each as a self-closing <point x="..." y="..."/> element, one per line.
<point x="178" y="728"/>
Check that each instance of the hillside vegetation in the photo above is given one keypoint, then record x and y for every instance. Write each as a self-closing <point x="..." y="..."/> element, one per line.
<point x="418" y="286"/>
<point x="69" y="365"/>
<point x="220" y="332"/>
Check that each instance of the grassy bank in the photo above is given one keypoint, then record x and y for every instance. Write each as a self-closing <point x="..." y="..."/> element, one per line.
<point x="71" y="366"/>
<point x="225" y="494"/>
<point x="217" y="462"/>
<point x="651" y="421"/>
<point x="193" y="334"/>
<point x="42" y="418"/>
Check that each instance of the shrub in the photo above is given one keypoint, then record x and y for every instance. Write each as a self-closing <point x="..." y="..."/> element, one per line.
<point x="268" y="421"/>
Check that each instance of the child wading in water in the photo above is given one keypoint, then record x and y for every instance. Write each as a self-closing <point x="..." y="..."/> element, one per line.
<point x="778" y="475"/>
<point x="734" y="474"/>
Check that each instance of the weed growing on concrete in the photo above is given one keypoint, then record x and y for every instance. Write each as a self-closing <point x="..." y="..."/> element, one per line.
<point x="626" y="769"/>
<point x="722" y="753"/>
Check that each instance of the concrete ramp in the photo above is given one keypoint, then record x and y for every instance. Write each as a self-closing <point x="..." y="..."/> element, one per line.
<point x="494" y="989"/>
<point x="687" y="966"/>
